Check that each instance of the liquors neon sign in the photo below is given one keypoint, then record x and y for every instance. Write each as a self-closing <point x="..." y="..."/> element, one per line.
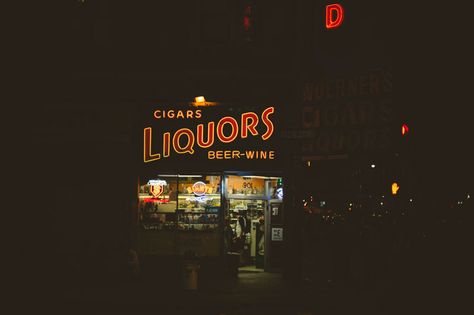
<point x="185" y="140"/>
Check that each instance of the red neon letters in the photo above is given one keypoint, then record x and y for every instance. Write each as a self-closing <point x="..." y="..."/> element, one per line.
<point x="334" y="15"/>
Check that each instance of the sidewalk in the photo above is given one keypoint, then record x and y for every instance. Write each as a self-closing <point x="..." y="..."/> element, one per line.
<point x="248" y="289"/>
<point x="251" y="293"/>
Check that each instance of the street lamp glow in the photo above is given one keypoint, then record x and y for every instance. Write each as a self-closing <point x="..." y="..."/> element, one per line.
<point x="199" y="99"/>
<point x="372" y="165"/>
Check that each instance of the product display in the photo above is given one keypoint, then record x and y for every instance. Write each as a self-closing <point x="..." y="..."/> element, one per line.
<point x="194" y="212"/>
<point x="198" y="212"/>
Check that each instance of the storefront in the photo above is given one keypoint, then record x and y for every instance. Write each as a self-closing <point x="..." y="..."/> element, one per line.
<point x="211" y="192"/>
<point x="180" y="213"/>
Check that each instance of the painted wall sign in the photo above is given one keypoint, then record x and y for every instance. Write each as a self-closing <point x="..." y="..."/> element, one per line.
<point x="226" y="130"/>
<point x="346" y="114"/>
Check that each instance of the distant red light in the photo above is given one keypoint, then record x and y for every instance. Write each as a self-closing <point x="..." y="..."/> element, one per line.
<point x="246" y="23"/>
<point x="404" y="129"/>
<point x="331" y="11"/>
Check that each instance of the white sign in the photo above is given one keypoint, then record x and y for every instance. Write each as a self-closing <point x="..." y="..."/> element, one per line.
<point x="279" y="193"/>
<point x="277" y="234"/>
<point x="274" y="211"/>
<point x="157" y="182"/>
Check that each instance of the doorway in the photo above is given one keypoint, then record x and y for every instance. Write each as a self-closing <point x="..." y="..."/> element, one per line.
<point x="248" y="202"/>
<point x="248" y="227"/>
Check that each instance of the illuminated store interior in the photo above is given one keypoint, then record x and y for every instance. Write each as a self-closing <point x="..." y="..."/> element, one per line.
<point x="182" y="213"/>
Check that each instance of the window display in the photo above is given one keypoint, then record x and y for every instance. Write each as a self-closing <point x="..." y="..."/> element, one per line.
<point x="180" y="213"/>
<point x="185" y="202"/>
<point x="252" y="208"/>
<point x="239" y="186"/>
<point x="157" y="204"/>
<point x="199" y="202"/>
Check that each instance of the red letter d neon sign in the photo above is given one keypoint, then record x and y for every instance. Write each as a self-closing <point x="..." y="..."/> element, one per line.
<point x="334" y="15"/>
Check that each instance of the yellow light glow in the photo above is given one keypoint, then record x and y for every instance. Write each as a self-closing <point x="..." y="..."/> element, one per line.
<point x="395" y="188"/>
<point x="199" y="99"/>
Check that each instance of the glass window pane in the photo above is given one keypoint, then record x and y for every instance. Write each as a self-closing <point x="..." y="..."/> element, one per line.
<point x="199" y="202"/>
<point x="238" y="186"/>
<point x="275" y="188"/>
<point x="157" y="203"/>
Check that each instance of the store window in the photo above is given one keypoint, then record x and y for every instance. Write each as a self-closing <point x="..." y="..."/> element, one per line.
<point x="199" y="202"/>
<point x="245" y="186"/>
<point x="275" y="188"/>
<point x="158" y="203"/>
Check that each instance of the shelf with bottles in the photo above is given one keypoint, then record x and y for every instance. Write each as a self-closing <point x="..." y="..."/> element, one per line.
<point x="181" y="195"/>
<point x="157" y="218"/>
<point x="199" y="204"/>
<point x="152" y="205"/>
<point x="163" y="216"/>
<point x="252" y="209"/>
<point x="200" y="210"/>
<point x="249" y="209"/>
<point x="246" y="204"/>
<point x="245" y="193"/>
<point x="202" y="218"/>
<point x="158" y="226"/>
<point x="201" y="227"/>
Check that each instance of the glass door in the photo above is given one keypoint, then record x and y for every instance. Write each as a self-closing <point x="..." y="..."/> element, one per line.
<point x="248" y="200"/>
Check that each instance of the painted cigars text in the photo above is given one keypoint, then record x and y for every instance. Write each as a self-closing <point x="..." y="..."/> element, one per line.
<point x="184" y="140"/>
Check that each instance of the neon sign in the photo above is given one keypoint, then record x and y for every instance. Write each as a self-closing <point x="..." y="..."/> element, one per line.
<point x="279" y="193"/>
<point x="157" y="182"/>
<point x="334" y="15"/>
<point x="184" y="140"/>
<point x="156" y="187"/>
<point x="199" y="188"/>
<point x="156" y="190"/>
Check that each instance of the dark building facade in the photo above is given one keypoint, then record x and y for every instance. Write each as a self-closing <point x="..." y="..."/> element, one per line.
<point x="331" y="90"/>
